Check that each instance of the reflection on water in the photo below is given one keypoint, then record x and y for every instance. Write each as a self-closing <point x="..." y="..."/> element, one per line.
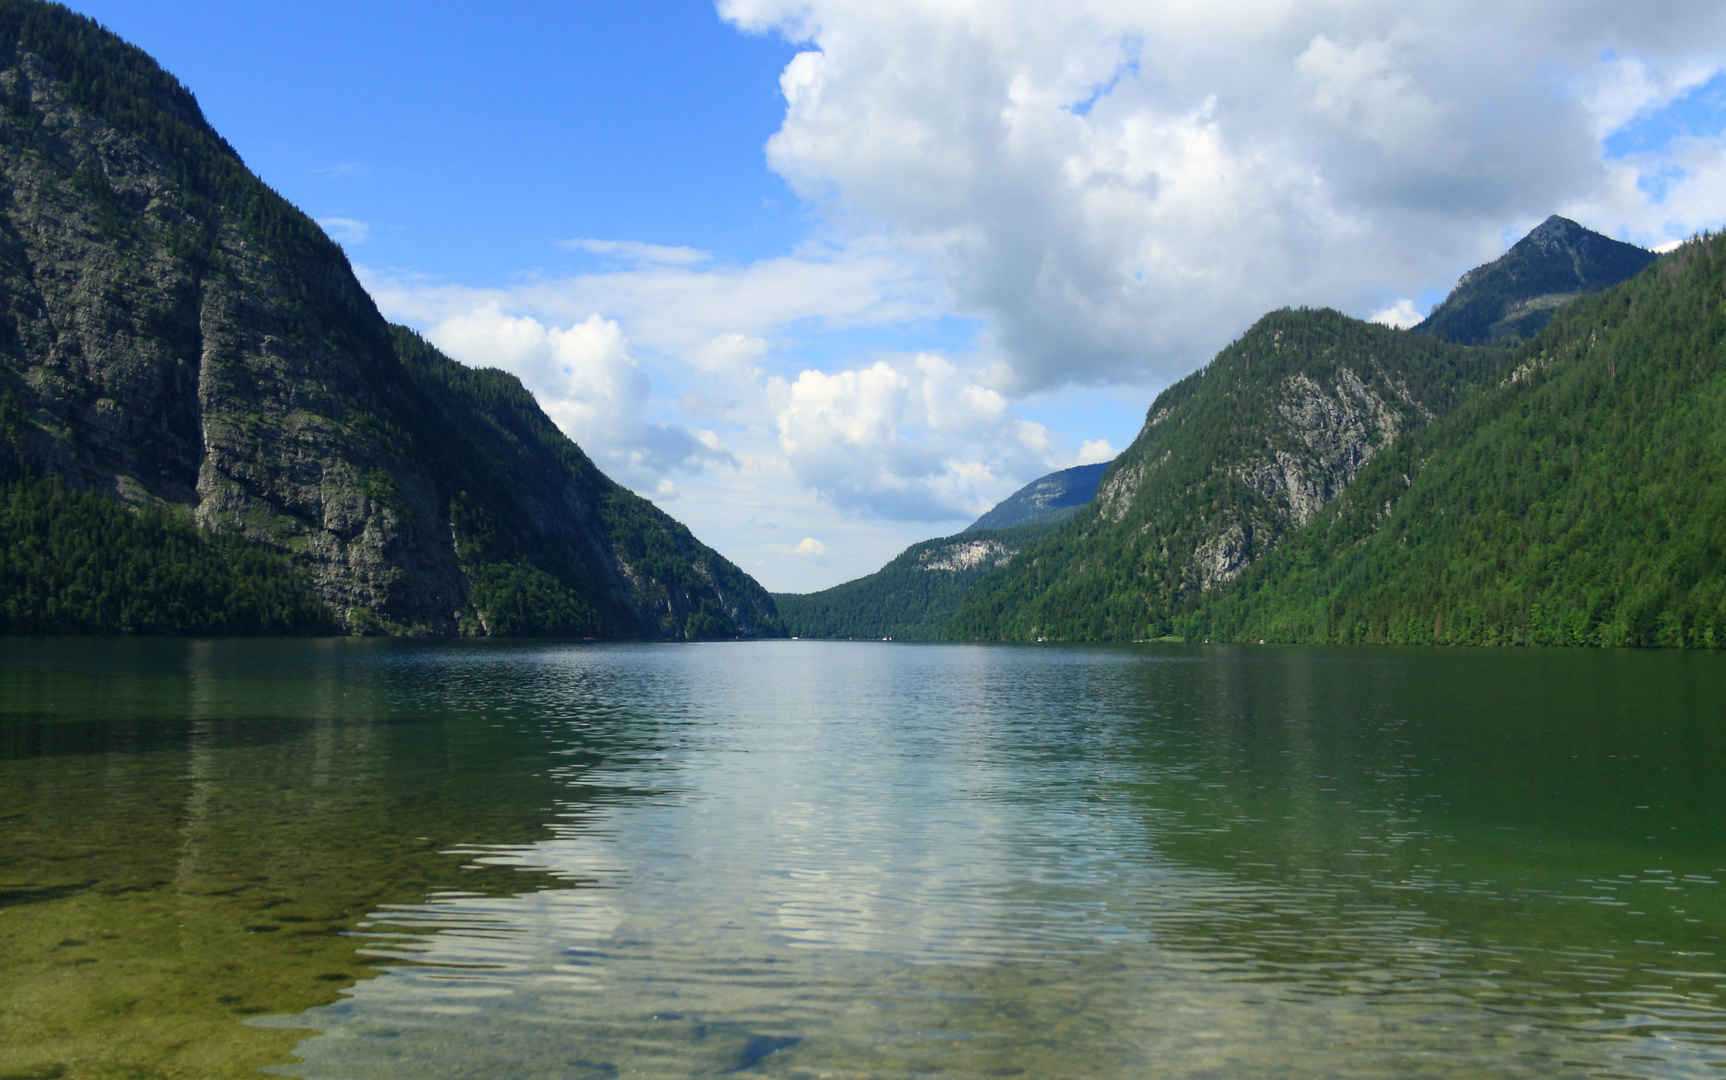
<point x="814" y="859"/>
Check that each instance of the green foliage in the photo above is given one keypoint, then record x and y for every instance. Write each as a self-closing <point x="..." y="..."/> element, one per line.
<point x="904" y="600"/>
<point x="520" y="600"/>
<point x="1580" y="502"/>
<point x="1123" y="567"/>
<point x="79" y="563"/>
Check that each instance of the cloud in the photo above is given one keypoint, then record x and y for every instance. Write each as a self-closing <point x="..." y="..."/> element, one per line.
<point x="1119" y="187"/>
<point x="681" y="310"/>
<point x="918" y="437"/>
<point x="637" y="252"/>
<point x="1402" y="315"/>
<point x="809" y="546"/>
<point x="345" y="230"/>
<point x="587" y="381"/>
<point x="917" y="441"/>
<point x="1095" y="452"/>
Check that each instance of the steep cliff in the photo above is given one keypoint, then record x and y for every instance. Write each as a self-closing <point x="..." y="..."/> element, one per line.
<point x="1231" y="460"/>
<point x="177" y="335"/>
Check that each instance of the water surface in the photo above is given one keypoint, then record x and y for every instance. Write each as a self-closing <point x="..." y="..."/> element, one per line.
<point x="383" y="859"/>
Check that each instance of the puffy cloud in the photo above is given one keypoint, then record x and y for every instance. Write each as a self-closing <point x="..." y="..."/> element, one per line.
<point x="587" y="381"/>
<point x="916" y="442"/>
<point x="1095" y="452"/>
<point x="1402" y="315"/>
<point x="1118" y="187"/>
<point x="809" y="546"/>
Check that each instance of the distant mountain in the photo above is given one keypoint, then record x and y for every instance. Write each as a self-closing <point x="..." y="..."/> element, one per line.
<point x="1512" y="297"/>
<point x="914" y="596"/>
<point x="178" y="339"/>
<point x="1231" y="461"/>
<point x="1578" y="498"/>
<point x="1055" y="497"/>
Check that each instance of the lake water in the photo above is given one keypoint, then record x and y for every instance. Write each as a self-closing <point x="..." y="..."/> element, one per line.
<point x="357" y="859"/>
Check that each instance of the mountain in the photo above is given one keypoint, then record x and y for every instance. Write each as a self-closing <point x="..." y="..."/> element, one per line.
<point x="1511" y="298"/>
<point x="1579" y="498"/>
<point x="1052" y="498"/>
<point x="913" y="597"/>
<point x="1232" y="460"/>
<point x="177" y="338"/>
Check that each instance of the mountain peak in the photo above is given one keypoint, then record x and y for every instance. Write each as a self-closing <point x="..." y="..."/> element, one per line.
<point x="1513" y="296"/>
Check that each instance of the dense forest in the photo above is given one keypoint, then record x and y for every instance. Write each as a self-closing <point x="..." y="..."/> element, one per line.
<point x="1578" y="500"/>
<point x="74" y="562"/>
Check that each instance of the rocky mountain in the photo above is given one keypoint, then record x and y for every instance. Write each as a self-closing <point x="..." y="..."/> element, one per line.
<point x="1512" y="297"/>
<point x="1231" y="461"/>
<point x="1577" y="498"/>
<point x="1052" y="498"/>
<point x="175" y="335"/>
<point x="914" y="596"/>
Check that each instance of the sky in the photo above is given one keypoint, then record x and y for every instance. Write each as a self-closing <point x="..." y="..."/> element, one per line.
<point x="823" y="278"/>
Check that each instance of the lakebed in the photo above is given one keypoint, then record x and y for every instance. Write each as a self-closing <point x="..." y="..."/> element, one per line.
<point x="364" y="858"/>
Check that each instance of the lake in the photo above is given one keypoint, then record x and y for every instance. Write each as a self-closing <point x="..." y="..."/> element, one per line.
<point x="358" y="859"/>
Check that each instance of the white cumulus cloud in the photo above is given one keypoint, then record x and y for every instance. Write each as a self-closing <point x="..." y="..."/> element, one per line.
<point x="1119" y="186"/>
<point x="1402" y="315"/>
<point x="587" y="381"/>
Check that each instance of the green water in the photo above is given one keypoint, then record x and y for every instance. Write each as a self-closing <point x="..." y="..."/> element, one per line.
<point x="358" y="859"/>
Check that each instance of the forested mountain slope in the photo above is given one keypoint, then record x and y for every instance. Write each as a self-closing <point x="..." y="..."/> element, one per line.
<point x="1231" y="460"/>
<point x="173" y="334"/>
<point x="914" y="596"/>
<point x="1512" y="297"/>
<point x="1045" y="500"/>
<point x="1580" y="499"/>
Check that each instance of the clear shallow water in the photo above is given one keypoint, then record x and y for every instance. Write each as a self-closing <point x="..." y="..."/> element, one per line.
<point x="848" y="860"/>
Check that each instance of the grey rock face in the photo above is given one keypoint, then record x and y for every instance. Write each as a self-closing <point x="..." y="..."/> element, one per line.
<point x="961" y="555"/>
<point x="190" y="379"/>
<point x="179" y="335"/>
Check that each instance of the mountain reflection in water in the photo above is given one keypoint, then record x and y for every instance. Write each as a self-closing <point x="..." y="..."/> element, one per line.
<point x="848" y="860"/>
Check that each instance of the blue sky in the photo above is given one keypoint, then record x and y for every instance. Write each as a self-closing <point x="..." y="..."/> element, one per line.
<point x="826" y="277"/>
<point x="471" y="137"/>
